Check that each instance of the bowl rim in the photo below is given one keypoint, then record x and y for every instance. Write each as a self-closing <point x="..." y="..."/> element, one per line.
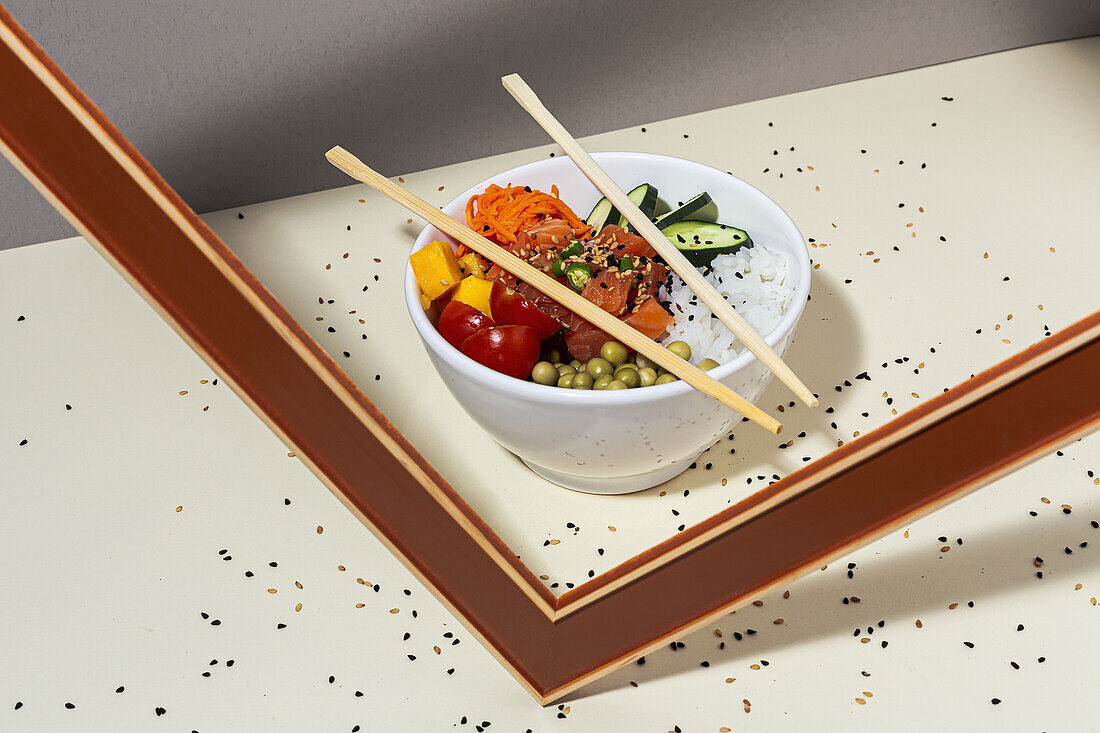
<point x="535" y="392"/>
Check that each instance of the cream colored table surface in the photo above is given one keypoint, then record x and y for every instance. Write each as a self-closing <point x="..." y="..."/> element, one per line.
<point x="141" y="502"/>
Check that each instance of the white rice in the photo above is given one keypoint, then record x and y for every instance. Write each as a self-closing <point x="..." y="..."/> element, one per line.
<point x="753" y="280"/>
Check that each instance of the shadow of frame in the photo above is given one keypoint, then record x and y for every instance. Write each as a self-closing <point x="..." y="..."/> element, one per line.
<point x="896" y="584"/>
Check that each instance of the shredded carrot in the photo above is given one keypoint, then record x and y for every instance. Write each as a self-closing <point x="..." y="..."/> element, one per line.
<point x="502" y="212"/>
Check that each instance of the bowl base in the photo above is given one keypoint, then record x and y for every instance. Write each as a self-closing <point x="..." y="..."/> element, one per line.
<point x="617" y="485"/>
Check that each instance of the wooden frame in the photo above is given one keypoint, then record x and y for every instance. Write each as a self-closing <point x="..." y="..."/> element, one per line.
<point x="1019" y="409"/>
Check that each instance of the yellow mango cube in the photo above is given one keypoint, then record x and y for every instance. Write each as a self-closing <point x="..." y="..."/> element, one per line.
<point x="435" y="268"/>
<point x="471" y="264"/>
<point x="474" y="291"/>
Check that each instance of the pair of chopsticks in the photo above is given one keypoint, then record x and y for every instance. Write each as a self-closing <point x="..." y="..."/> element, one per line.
<point x="687" y="372"/>
<point x="718" y="305"/>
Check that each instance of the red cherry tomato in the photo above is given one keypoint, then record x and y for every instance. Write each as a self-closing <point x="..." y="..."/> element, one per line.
<point x="511" y="350"/>
<point x="459" y="321"/>
<point x="512" y="309"/>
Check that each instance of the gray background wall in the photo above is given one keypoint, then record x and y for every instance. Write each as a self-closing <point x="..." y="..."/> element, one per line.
<point x="235" y="102"/>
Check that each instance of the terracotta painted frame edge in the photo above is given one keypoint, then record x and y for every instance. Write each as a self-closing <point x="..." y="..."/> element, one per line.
<point x="1019" y="409"/>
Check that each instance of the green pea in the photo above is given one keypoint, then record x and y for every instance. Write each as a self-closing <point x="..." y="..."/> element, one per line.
<point x="681" y="349"/>
<point x="646" y="377"/>
<point x="564" y="369"/>
<point x="566" y="380"/>
<point x="582" y="380"/>
<point x="644" y="362"/>
<point x="554" y="356"/>
<point x="707" y="364"/>
<point x="666" y="378"/>
<point x="575" y="364"/>
<point x="614" y="352"/>
<point x="628" y="365"/>
<point x="602" y="381"/>
<point x="597" y="366"/>
<point x="627" y="376"/>
<point x="544" y="373"/>
<point x="615" y="384"/>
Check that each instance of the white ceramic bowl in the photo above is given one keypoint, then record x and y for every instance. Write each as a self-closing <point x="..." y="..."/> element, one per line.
<point x="616" y="441"/>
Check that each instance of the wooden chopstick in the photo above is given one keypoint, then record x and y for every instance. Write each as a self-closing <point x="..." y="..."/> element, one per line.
<point x="672" y="256"/>
<point x="603" y="320"/>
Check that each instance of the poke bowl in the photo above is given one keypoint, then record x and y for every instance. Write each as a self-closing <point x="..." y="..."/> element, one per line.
<point x="615" y="440"/>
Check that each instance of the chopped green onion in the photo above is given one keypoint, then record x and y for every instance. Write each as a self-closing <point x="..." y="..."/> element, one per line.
<point x="625" y="263"/>
<point x="572" y="250"/>
<point x="558" y="268"/>
<point x="578" y="274"/>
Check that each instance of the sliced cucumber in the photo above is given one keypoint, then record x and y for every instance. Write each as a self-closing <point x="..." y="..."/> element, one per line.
<point x="702" y="241"/>
<point x="600" y="215"/>
<point x="689" y="207"/>
<point x="604" y="213"/>
<point x="645" y="196"/>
